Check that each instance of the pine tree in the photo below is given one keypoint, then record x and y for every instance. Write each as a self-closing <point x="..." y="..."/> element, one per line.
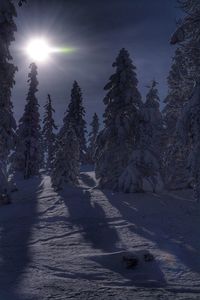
<point x="48" y="135"/>
<point x="7" y="71"/>
<point x="75" y="116"/>
<point x="121" y="118"/>
<point x="92" y="138"/>
<point x="187" y="34"/>
<point x="154" y="116"/>
<point x="27" y="156"/>
<point x="189" y="131"/>
<point x="65" y="168"/>
<point x="179" y="91"/>
<point x="176" y="174"/>
<point x="188" y="67"/>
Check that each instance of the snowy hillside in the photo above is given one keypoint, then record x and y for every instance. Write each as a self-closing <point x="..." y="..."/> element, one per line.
<point x="71" y="245"/>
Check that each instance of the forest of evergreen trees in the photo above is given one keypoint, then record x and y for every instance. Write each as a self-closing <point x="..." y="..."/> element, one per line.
<point x="137" y="143"/>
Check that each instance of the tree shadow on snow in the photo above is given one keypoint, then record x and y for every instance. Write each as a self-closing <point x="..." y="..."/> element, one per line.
<point x="94" y="227"/>
<point x="90" y="218"/>
<point x="166" y="221"/>
<point x="16" y="221"/>
<point x="87" y="180"/>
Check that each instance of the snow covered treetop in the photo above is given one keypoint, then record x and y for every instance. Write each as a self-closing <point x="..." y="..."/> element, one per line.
<point x="7" y="27"/>
<point x="122" y="85"/>
<point x="32" y="79"/>
<point x="152" y="98"/>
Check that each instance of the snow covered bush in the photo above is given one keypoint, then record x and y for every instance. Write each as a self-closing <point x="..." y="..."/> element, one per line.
<point x="144" y="163"/>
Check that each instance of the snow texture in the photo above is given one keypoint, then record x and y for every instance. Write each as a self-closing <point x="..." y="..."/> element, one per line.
<point x="70" y="245"/>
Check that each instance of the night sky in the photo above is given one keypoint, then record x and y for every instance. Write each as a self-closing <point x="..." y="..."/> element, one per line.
<point x="97" y="30"/>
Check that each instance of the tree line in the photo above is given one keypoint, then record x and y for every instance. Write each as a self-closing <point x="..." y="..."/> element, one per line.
<point x="138" y="143"/>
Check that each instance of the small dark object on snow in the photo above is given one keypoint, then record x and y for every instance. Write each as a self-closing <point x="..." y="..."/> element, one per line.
<point x="20" y="3"/>
<point x="14" y="189"/>
<point x="148" y="257"/>
<point x="5" y="199"/>
<point x="131" y="262"/>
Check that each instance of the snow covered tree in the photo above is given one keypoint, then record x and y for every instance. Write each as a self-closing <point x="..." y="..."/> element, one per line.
<point x="179" y="90"/>
<point x="48" y="135"/>
<point x="188" y="35"/>
<point x="176" y="174"/>
<point x="121" y="120"/>
<point x="189" y="130"/>
<point x="143" y="165"/>
<point x="154" y="116"/>
<point x="7" y="71"/>
<point x="65" y="167"/>
<point x="186" y="72"/>
<point x="145" y="161"/>
<point x="92" y="138"/>
<point x="27" y="155"/>
<point x="75" y="115"/>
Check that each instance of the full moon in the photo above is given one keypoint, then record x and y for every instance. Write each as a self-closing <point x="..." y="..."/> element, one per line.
<point x="38" y="50"/>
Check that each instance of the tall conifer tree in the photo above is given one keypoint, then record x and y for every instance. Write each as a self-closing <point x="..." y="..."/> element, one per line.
<point x="121" y="120"/>
<point x="7" y="71"/>
<point x="75" y="115"/>
<point x="48" y="135"/>
<point x="93" y="138"/>
<point x="27" y="155"/>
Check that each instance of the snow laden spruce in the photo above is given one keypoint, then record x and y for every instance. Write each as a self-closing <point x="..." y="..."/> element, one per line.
<point x="145" y="160"/>
<point x="27" y="157"/>
<point x="7" y="122"/>
<point x="7" y="71"/>
<point x="124" y="156"/>
<point x="187" y="35"/>
<point x="121" y="119"/>
<point x="175" y="155"/>
<point x="155" y="119"/>
<point x="48" y="134"/>
<point x="76" y="116"/>
<point x="66" y="166"/>
<point x="189" y="129"/>
<point x="92" y="139"/>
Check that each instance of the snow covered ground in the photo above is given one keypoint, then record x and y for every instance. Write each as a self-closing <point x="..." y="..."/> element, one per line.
<point x="70" y="245"/>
